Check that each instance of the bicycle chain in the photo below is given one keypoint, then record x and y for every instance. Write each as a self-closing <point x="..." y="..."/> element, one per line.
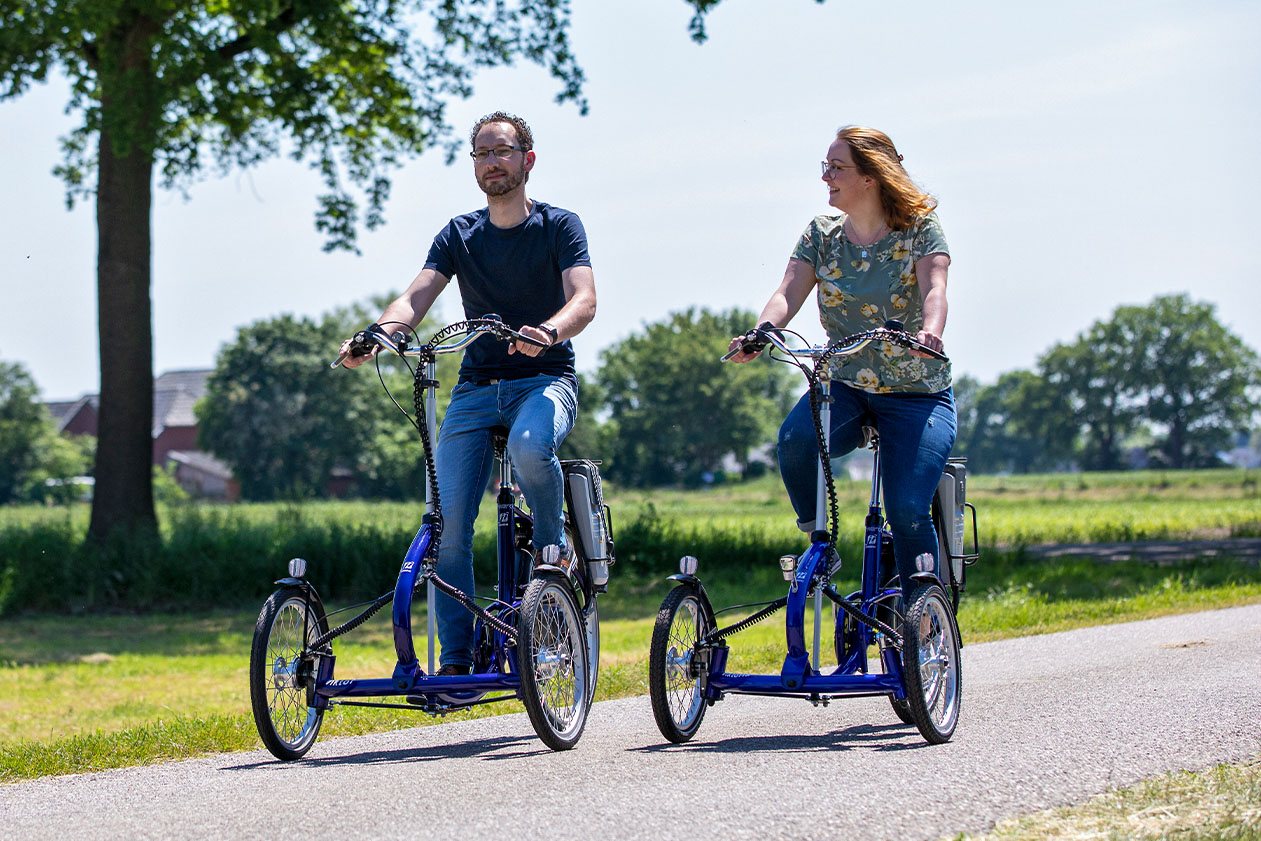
<point x="718" y="634"/>
<point x="844" y="604"/>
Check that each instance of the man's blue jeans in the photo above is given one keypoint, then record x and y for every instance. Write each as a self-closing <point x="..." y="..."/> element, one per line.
<point x="540" y="412"/>
<point x="917" y="432"/>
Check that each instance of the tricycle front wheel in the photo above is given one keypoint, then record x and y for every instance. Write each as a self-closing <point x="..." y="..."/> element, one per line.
<point x="931" y="667"/>
<point x="552" y="660"/>
<point x="282" y="673"/>
<point x="676" y="689"/>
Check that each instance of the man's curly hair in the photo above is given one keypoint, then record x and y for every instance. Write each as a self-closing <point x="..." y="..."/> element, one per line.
<point x="525" y="137"/>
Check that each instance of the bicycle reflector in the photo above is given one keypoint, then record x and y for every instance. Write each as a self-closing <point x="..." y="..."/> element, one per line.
<point x="297" y="567"/>
<point x="688" y="565"/>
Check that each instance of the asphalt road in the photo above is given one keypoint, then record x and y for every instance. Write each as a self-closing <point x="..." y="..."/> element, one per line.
<point x="1047" y="720"/>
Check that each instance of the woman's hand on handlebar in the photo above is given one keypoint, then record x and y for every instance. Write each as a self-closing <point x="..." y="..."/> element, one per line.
<point x="736" y="353"/>
<point x="748" y="347"/>
<point x="931" y="341"/>
<point x="352" y="357"/>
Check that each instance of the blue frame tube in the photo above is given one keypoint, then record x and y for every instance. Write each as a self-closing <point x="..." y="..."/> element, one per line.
<point x="813" y="684"/>
<point x="407" y="667"/>
<point x="370" y="687"/>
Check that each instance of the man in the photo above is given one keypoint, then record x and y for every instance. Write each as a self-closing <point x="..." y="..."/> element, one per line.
<point x="526" y="261"/>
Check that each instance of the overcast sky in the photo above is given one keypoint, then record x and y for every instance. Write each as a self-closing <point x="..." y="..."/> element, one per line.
<point x="1085" y="154"/>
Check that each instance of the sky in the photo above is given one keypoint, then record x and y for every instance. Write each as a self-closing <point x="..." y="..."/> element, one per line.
<point x="1086" y="155"/>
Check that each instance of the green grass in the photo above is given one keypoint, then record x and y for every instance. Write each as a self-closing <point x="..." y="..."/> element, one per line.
<point x="1223" y="802"/>
<point x="80" y="693"/>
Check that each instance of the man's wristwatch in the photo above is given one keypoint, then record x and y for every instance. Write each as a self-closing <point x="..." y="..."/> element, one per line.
<point x="551" y="331"/>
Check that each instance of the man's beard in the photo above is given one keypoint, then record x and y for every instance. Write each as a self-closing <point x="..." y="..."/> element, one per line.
<point x="502" y="186"/>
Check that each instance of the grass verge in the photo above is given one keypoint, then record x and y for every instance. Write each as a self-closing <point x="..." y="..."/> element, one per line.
<point x="1221" y="803"/>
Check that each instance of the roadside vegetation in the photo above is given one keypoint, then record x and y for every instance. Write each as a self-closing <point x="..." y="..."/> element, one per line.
<point x="1222" y="803"/>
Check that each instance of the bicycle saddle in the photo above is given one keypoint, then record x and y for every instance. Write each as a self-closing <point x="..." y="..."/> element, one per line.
<point x="499" y="437"/>
<point x="871" y="438"/>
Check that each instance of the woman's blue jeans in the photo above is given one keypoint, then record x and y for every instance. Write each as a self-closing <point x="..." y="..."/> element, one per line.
<point x="539" y="412"/>
<point x="916" y="431"/>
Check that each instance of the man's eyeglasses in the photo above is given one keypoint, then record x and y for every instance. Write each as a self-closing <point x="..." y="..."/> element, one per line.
<point x="829" y="169"/>
<point x="503" y="153"/>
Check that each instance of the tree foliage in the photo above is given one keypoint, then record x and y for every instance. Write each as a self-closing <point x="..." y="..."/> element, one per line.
<point x="181" y="86"/>
<point x="31" y="450"/>
<point x="1194" y="377"/>
<point x="278" y="415"/>
<point x="311" y="420"/>
<point x="675" y="410"/>
<point x="1167" y="375"/>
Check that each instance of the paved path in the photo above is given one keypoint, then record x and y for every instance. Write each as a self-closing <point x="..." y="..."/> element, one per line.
<point x="1047" y="720"/>
<point x="1246" y="549"/>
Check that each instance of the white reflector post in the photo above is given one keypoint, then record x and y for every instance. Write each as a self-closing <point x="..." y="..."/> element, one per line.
<point x="297" y="567"/>
<point x="688" y="565"/>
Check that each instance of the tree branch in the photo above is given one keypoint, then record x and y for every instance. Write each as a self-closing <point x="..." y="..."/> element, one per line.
<point x="287" y="18"/>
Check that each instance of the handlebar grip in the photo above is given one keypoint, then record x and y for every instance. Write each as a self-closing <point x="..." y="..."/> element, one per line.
<point x="935" y="354"/>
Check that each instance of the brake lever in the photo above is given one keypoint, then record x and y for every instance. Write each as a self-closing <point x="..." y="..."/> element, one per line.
<point x="752" y="341"/>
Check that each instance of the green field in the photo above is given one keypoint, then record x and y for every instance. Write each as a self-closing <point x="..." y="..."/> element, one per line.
<point x="89" y="690"/>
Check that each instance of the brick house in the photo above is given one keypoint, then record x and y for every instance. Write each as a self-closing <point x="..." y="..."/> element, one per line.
<point x="174" y="432"/>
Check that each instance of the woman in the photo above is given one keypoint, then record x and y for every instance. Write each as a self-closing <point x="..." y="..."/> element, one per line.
<point x="883" y="257"/>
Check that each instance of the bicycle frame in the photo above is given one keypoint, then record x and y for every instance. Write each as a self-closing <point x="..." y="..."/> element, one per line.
<point x="800" y="675"/>
<point x="408" y="677"/>
<point x="919" y="641"/>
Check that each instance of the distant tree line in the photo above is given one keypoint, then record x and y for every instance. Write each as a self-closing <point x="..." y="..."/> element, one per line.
<point x="1166" y="381"/>
<point x="661" y="409"/>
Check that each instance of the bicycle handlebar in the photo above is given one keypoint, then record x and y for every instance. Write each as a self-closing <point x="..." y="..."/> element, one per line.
<point x="362" y="343"/>
<point x="757" y="339"/>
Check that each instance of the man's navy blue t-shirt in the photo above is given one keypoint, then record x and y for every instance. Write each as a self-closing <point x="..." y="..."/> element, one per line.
<point x="515" y="273"/>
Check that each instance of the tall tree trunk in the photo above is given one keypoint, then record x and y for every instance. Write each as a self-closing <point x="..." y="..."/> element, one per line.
<point x="124" y="455"/>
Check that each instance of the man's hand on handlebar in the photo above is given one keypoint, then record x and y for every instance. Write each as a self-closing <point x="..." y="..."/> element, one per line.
<point x="352" y="355"/>
<point x="532" y="341"/>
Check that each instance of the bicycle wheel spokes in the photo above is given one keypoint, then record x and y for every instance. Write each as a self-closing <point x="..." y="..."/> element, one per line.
<point x="933" y="668"/>
<point x="281" y="682"/>
<point x="553" y="661"/>
<point x="682" y="686"/>
<point x="677" y="690"/>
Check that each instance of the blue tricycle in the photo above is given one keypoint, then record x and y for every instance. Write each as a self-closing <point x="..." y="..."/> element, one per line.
<point x="538" y="639"/>
<point x="918" y="641"/>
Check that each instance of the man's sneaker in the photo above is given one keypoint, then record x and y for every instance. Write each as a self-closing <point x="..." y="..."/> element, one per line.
<point x="449" y="670"/>
<point x="565" y="560"/>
